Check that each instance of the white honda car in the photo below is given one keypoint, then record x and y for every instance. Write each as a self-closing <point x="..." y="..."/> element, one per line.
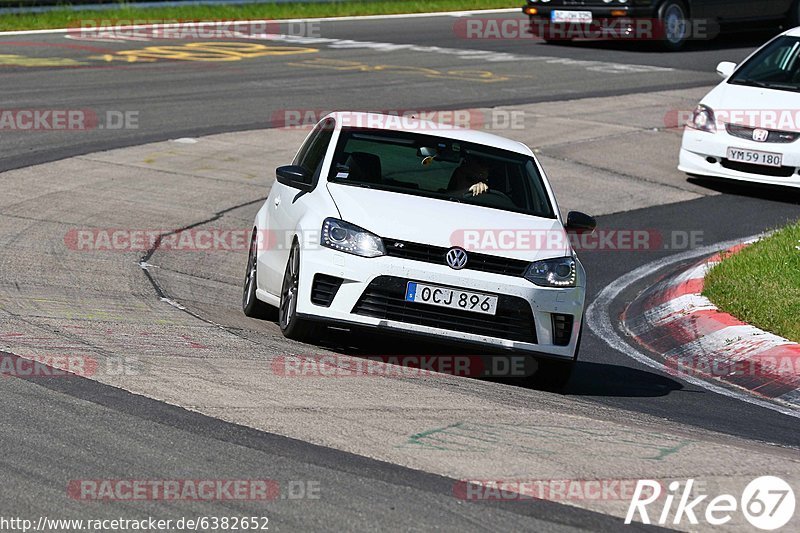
<point x="399" y="224"/>
<point x="748" y="127"/>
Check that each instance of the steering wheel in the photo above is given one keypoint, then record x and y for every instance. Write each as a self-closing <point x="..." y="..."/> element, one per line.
<point x="499" y="194"/>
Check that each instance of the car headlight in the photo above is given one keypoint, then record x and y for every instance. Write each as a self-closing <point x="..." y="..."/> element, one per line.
<point x="346" y="237"/>
<point x="703" y="119"/>
<point x="560" y="272"/>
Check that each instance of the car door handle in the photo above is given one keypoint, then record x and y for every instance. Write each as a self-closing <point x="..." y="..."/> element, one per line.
<point x="277" y="201"/>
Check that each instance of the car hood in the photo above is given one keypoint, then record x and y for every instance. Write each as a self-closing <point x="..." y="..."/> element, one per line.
<point x="441" y="223"/>
<point x="731" y="102"/>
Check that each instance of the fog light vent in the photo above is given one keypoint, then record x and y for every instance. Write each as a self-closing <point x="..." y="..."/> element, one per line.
<point x="562" y="329"/>
<point x="324" y="289"/>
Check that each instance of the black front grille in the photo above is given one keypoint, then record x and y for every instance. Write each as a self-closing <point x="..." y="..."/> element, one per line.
<point x="778" y="172"/>
<point x="562" y="329"/>
<point x="436" y="255"/>
<point x="384" y="298"/>
<point x="324" y="289"/>
<point x="775" y="136"/>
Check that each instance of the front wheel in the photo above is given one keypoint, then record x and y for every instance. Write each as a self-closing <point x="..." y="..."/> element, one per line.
<point x="251" y="305"/>
<point x="291" y="325"/>
<point x="673" y="25"/>
<point x="553" y="375"/>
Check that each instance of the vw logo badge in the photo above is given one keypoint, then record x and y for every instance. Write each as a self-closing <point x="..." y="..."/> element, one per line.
<point x="760" y="135"/>
<point x="456" y="258"/>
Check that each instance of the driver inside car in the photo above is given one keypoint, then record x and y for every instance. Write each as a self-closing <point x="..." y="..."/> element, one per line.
<point x="470" y="177"/>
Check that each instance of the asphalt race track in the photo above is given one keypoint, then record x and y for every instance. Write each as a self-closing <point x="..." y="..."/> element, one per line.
<point x="202" y="98"/>
<point x="185" y="386"/>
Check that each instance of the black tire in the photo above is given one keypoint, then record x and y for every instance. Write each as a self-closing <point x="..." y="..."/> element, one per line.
<point x="291" y="325"/>
<point x="251" y="305"/>
<point x="673" y="24"/>
<point x="553" y="375"/>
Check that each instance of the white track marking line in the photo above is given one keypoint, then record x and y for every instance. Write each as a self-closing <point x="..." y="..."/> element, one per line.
<point x="598" y="318"/>
<point x="670" y="311"/>
<point x="463" y="53"/>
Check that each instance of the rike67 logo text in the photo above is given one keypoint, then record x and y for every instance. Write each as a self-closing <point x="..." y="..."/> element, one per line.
<point x="767" y="502"/>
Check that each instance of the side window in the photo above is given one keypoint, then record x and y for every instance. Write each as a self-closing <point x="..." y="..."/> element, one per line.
<point x="313" y="151"/>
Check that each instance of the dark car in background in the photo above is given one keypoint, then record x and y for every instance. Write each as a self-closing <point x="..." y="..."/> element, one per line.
<point x="670" y="22"/>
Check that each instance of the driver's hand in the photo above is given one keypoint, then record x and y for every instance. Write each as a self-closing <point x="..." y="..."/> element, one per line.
<point x="478" y="188"/>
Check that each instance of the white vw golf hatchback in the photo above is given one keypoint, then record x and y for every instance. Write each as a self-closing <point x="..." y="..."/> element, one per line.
<point x="399" y="224"/>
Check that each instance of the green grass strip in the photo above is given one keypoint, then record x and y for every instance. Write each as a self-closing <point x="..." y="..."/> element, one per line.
<point x="761" y="284"/>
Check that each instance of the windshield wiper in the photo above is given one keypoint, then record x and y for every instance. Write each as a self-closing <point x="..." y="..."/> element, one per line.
<point x="783" y="86"/>
<point x="767" y="85"/>
<point x="752" y="83"/>
<point x="352" y="183"/>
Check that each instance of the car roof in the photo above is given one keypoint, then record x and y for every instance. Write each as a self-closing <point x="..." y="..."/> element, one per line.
<point x="427" y="127"/>
<point x="794" y="32"/>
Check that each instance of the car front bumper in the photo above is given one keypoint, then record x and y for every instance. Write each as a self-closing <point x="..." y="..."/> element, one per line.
<point x="358" y="274"/>
<point x="608" y="11"/>
<point x="608" y="22"/>
<point x="705" y="154"/>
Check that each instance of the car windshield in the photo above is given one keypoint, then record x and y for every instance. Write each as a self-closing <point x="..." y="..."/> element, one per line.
<point x="776" y="66"/>
<point x="441" y="168"/>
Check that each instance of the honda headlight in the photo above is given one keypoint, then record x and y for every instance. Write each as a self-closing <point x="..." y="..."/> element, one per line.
<point x="560" y="272"/>
<point x="345" y="237"/>
<point x="703" y="119"/>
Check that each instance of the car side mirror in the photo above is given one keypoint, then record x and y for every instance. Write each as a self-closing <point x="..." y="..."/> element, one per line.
<point x="296" y="177"/>
<point x="726" y="69"/>
<point x="578" y="222"/>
